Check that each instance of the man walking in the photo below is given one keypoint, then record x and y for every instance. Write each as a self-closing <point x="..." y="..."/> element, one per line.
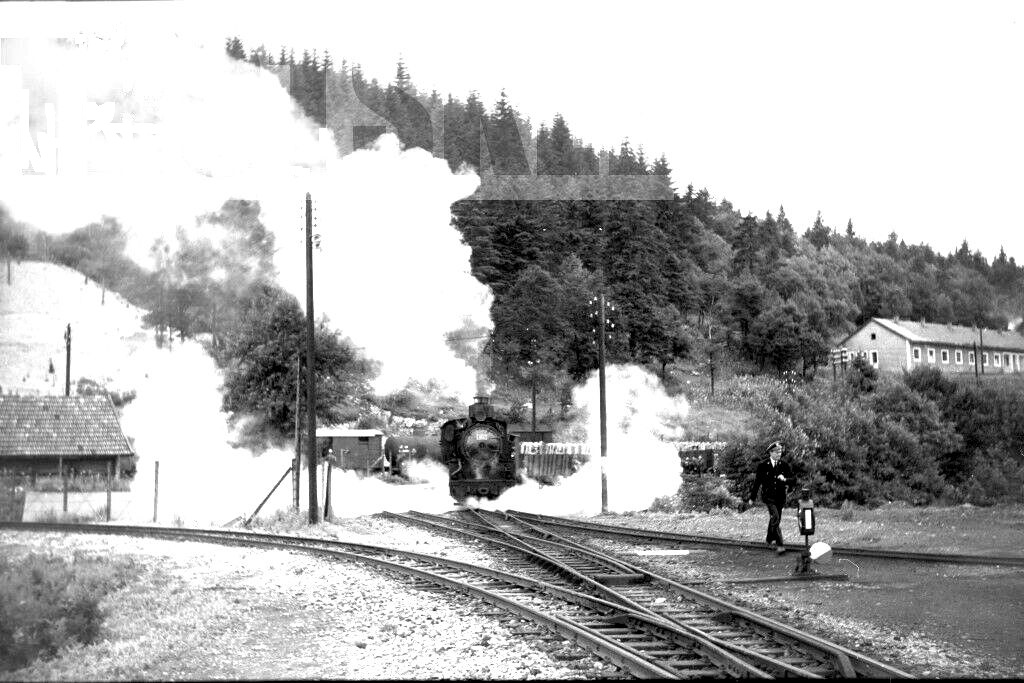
<point x="773" y="478"/>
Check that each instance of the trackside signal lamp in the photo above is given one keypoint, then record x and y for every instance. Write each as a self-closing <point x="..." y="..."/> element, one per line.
<point x="805" y="511"/>
<point x="805" y="516"/>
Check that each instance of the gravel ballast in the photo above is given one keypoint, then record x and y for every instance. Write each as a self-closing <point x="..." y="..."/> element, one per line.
<point x="201" y="611"/>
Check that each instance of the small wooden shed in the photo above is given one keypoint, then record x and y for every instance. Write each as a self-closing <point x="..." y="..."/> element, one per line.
<point x="354" y="449"/>
<point x="43" y="434"/>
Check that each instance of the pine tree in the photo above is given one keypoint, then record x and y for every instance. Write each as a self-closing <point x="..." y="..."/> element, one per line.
<point x="235" y="49"/>
<point x="561" y="160"/>
<point x="504" y="142"/>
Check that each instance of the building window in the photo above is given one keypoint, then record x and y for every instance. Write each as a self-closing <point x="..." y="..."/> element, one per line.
<point x="874" y="358"/>
<point x="1006" y="360"/>
<point x="984" y="359"/>
<point x="917" y="354"/>
<point x="970" y="358"/>
<point x="931" y="355"/>
<point x="958" y="355"/>
<point x="872" y="336"/>
<point x="996" y="359"/>
<point x="945" y="355"/>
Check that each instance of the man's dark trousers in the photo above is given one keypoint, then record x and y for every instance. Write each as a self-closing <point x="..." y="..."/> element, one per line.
<point x="774" y="517"/>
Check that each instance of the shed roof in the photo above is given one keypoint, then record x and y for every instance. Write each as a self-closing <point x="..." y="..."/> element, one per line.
<point x="70" y="426"/>
<point x="953" y="335"/>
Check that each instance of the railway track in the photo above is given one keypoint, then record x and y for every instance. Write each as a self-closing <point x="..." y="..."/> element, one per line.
<point x="677" y="539"/>
<point x="769" y="646"/>
<point x="640" y="643"/>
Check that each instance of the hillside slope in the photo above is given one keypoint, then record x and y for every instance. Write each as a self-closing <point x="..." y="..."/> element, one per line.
<point x="35" y="310"/>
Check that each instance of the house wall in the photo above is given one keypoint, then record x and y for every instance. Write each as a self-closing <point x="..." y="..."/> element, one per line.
<point x="1009" y="362"/>
<point x="893" y="351"/>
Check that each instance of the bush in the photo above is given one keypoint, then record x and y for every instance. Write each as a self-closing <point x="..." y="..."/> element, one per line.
<point x="47" y="603"/>
<point x="702" y="495"/>
<point x="998" y="477"/>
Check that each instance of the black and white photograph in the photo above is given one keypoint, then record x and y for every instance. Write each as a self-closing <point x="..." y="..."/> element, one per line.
<point x="511" y="341"/>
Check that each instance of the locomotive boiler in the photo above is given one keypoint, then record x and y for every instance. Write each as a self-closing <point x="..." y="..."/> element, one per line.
<point x="480" y="454"/>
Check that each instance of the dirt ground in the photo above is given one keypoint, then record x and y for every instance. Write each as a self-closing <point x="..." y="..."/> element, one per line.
<point x="929" y="619"/>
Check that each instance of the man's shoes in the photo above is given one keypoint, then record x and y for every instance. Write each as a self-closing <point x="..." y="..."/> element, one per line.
<point x="781" y="550"/>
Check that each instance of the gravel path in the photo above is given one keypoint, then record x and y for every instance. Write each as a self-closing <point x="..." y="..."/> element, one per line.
<point x="200" y="611"/>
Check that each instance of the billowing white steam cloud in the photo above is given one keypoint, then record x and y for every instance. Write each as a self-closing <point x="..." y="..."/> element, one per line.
<point x="176" y="421"/>
<point x="390" y="271"/>
<point x="642" y="463"/>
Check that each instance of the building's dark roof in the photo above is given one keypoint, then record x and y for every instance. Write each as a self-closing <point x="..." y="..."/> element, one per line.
<point x="952" y="335"/>
<point x="70" y="426"/>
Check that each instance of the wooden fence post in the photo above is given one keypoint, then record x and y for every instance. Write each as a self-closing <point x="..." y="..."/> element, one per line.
<point x="63" y="482"/>
<point x="156" y="487"/>
<point x="109" y="483"/>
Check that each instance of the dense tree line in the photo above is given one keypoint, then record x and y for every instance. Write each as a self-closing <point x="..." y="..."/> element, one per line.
<point x="687" y="273"/>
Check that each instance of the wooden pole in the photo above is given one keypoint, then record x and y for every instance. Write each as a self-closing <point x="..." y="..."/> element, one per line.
<point x="604" y="413"/>
<point x="67" y="365"/>
<point x="314" y="510"/>
<point x="327" y="494"/>
<point x="156" y="487"/>
<point x="533" y="403"/>
<point x="264" y="502"/>
<point x="974" y="350"/>
<point x="711" y="361"/>
<point x="981" y="349"/>
<point x="63" y="482"/>
<point x="109" y="480"/>
<point x="297" y="462"/>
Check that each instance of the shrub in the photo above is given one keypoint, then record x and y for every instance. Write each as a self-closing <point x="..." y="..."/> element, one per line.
<point x="702" y="495"/>
<point x="46" y="603"/>
<point x="998" y="476"/>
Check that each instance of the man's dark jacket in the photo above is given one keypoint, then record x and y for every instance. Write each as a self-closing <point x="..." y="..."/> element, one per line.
<point x="766" y="479"/>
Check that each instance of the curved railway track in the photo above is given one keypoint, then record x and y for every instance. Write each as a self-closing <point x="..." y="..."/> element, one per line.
<point x="672" y="538"/>
<point x="771" y="647"/>
<point x="638" y="642"/>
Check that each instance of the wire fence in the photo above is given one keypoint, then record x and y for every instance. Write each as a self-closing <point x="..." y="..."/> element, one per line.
<point x="84" y="498"/>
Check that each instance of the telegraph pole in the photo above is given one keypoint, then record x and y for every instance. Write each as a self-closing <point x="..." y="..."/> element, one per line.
<point x="314" y="511"/>
<point x="297" y="463"/>
<point x="604" y="414"/>
<point x="67" y="365"/>
<point x="981" y="347"/>
<point x="711" y="360"/>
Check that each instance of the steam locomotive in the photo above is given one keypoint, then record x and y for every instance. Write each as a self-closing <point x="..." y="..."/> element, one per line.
<point x="480" y="454"/>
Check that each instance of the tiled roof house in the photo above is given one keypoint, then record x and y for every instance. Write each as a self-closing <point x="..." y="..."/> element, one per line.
<point x="894" y="345"/>
<point x="39" y="432"/>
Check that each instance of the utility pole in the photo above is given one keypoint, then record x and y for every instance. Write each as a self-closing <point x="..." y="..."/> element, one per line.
<point x="314" y="511"/>
<point x="67" y="365"/>
<point x="711" y="360"/>
<point x="977" y="360"/>
<point x="981" y="347"/>
<point x="604" y="414"/>
<point x="297" y="463"/>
